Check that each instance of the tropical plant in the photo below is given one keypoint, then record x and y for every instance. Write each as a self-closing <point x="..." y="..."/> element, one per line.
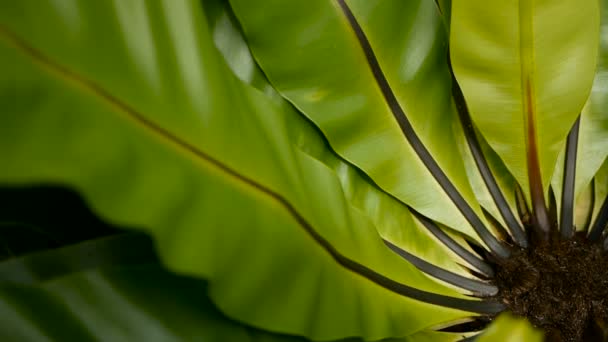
<point x="306" y="170"/>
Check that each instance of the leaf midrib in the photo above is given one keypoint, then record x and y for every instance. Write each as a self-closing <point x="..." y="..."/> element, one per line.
<point x="528" y="94"/>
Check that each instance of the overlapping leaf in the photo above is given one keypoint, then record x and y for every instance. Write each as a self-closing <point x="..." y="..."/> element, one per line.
<point x="131" y="103"/>
<point x="316" y="61"/>
<point x="140" y="301"/>
<point x="398" y="228"/>
<point x="142" y="116"/>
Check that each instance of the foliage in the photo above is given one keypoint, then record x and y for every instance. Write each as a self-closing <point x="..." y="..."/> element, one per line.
<point x="305" y="172"/>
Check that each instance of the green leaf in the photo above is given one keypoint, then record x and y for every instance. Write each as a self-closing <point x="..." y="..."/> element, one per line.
<point x="526" y="69"/>
<point x="230" y="42"/>
<point x="397" y="228"/>
<point x="507" y="328"/>
<point x="118" y="250"/>
<point x="102" y="290"/>
<point x="316" y="61"/>
<point x="134" y="303"/>
<point x="158" y="134"/>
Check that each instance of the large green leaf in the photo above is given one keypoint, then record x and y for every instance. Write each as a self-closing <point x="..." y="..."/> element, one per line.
<point x="526" y="69"/>
<point x="397" y="227"/>
<point x="119" y="250"/>
<point x="121" y="305"/>
<point x="91" y="297"/>
<point x="132" y="301"/>
<point x="316" y="61"/>
<point x="158" y="134"/>
<point x="231" y="43"/>
<point x="143" y="303"/>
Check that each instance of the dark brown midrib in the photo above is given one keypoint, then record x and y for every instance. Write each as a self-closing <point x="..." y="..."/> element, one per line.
<point x="567" y="207"/>
<point x="477" y="287"/>
<point x="483" y="307"/>
<point x="479" y="264"/>
<point x="516" y="229"/>
<point x="601" y="221"/>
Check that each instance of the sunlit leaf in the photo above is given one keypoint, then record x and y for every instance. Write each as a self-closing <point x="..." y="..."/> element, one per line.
<point x="317" y="62"/>
<point x="526" y="69"/>
<point x="160" y="135"/>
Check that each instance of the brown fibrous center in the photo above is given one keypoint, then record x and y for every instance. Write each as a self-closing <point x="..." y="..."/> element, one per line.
<point x="560" y="286"/>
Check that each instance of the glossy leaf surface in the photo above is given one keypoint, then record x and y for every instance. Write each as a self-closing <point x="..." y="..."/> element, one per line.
<point x="218" y="180"/>
<point x="278" y="188"/>
<point x="316" y="62"/>
<point x="526" y="70"/>
<point x="398" y="228"/>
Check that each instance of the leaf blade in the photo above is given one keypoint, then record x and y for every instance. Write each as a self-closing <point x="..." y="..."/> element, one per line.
<point x="172" y="146"/>
<point x="525" y="103"/>
<point x="335" y="67"/>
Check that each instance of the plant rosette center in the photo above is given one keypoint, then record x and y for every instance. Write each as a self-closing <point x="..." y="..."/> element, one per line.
<point x="560" y="286"/>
